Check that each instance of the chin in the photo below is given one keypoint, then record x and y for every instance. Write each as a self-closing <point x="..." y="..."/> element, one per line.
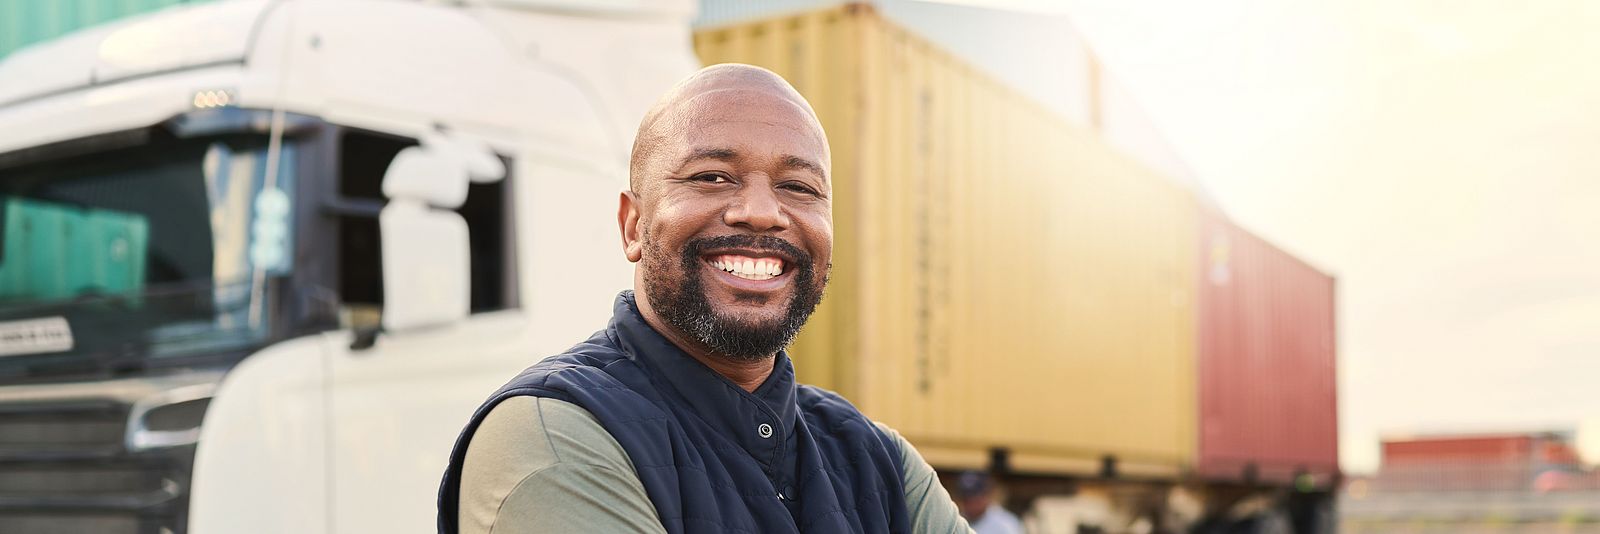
<point x="753" y="319"/>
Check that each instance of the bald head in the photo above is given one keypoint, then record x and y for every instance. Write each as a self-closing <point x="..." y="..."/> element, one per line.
<point x="729" y="216"/>
<point x="717" y="92"/>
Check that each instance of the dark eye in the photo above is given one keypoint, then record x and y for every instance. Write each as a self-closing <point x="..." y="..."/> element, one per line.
<point x="798" y="188"/>
<point x="710" y="178"/>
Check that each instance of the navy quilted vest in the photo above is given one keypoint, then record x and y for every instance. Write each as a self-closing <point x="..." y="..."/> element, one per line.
<point x="835" y="472"/>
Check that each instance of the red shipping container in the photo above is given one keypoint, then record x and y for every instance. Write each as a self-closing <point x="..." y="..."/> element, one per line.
<point x="1510" y="449"/>
<point x="1523" y="448"/>
<point x="1268" y="405"/>
<point x="1543" y="461"/>
<point x="1556" y="453"/>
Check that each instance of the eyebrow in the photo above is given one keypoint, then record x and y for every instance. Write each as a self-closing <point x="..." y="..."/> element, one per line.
<point x="797" y="162"/>
<point x="728" y="155"/>
<point x="720" y="154"/>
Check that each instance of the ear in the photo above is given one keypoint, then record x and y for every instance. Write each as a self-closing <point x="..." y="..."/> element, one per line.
<point x="628" y="223"/>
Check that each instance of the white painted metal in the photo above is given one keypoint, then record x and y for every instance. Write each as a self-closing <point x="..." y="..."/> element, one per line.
<point x="308" y="435"/>
<point x="262" y="463"/>
<point x="396" y="410"/>
<point x="475" y="157"/>
<point x="427" y="265"/>
<point x="423" y="174"/>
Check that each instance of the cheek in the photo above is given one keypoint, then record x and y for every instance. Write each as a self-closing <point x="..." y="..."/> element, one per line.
<point x="668" y="223"/>
<point x="818" y="232"/>
<point x="684" y="216"/>
<point x="659" y="245"/>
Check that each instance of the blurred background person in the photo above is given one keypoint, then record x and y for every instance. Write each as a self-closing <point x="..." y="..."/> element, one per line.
<point x="975" y="495"/>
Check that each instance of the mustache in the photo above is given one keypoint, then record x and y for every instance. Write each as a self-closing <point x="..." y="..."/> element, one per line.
<point x="681" y="297"/>
<point x="696" y="247"/>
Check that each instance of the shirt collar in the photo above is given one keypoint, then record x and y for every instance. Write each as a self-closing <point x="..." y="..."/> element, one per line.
<point x="761" y="422"/>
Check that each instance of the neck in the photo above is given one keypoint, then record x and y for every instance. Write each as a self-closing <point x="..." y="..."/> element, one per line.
<point x="748" y="374"/>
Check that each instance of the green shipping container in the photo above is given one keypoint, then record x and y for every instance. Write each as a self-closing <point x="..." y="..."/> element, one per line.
<point x="25" y="22"/>
<point x="54" y="252"/>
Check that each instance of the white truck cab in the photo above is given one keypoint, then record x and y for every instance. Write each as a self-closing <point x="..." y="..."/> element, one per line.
<point x="259" y="260"/>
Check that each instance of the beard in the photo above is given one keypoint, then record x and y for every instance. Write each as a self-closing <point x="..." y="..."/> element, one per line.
<point x="682" y="301"/>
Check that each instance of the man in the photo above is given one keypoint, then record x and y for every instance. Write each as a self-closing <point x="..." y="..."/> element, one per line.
<point x="976" y="491"/>
<point x="683" y="414"/>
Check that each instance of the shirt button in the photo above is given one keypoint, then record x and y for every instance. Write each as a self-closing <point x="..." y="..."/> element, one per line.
<point x="765" y="430"/>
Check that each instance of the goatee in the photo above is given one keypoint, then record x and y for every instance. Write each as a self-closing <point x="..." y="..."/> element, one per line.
<point x="684" y="304"/>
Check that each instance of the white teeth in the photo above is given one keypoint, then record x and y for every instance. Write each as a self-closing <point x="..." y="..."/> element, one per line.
<point x="749" y="268"/>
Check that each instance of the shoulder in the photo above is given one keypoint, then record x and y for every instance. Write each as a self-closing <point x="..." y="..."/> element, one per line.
<point x="592" y="364"/>
<point x="522" y="443"/>
<point x="909" y="457"/>
<point x="998" y="519"/>
<point x="807" y="394"/>
<point x="821" y="402"/>
<point x="831" y="414"/>
<point x="1010" y="519"/>
<point x="529" y="433"/>
<point x="836" y="413"/>
<point x="539" y="464"/>
<point x="929" y="504"/>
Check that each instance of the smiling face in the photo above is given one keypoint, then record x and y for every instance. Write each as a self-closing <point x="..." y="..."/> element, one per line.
<point x="730" y="213"/>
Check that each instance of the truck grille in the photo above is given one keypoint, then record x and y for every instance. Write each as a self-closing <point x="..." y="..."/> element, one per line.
<point x="39" y="431"/>
<point x="70" y="464"/>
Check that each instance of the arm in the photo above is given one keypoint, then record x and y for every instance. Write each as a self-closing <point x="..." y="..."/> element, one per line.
<point x="543" y="465"/>
<point x="930" y="505"/>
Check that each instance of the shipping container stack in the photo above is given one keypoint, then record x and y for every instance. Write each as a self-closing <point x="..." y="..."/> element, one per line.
<point x="1513" y="481"/>
<point x="1516" y="462"/>
<point x="1013" y="292"/>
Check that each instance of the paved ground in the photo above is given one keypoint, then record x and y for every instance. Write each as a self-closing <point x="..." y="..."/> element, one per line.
<point x="1572" y="512"/>
<point x="1349" y="527"/>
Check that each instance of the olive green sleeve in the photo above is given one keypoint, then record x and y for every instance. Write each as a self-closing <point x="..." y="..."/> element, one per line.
<point x="932" y="510"/>
<point x="547" y="466"/>
<point x="543" y="465"/>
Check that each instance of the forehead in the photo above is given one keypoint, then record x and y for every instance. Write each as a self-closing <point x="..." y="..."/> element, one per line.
<point x="752" y="118"/>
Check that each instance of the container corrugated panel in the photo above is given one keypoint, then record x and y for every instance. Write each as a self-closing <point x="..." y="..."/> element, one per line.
<point x="1002" y="278"/>
<point x="25" y="22"/>
<point x="60" y="251"/>
<point x="1267" y="391"/>
<point x="1492" y="449"/>
<point x="725" y="12"/>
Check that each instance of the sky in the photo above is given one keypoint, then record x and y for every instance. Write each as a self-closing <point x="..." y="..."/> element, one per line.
<point x="1441" y="159"/>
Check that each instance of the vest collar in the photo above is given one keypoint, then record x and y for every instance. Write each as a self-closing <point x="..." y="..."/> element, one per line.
<point x="762" y="423"/>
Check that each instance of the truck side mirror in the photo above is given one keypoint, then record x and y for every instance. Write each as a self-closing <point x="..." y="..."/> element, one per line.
<point x="481" y="163"/>
<point x="427" y="264"/>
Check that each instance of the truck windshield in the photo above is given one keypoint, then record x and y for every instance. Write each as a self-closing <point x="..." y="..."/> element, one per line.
<point x="158" y="250"/>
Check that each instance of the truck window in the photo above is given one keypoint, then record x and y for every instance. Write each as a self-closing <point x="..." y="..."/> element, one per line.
<point x="363" y="158"/>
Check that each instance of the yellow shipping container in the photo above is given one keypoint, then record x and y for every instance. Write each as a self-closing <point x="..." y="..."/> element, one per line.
<point x="1002" y="278"/>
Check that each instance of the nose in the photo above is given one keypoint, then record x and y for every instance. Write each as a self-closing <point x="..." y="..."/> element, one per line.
<point x="756" y="208"/>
